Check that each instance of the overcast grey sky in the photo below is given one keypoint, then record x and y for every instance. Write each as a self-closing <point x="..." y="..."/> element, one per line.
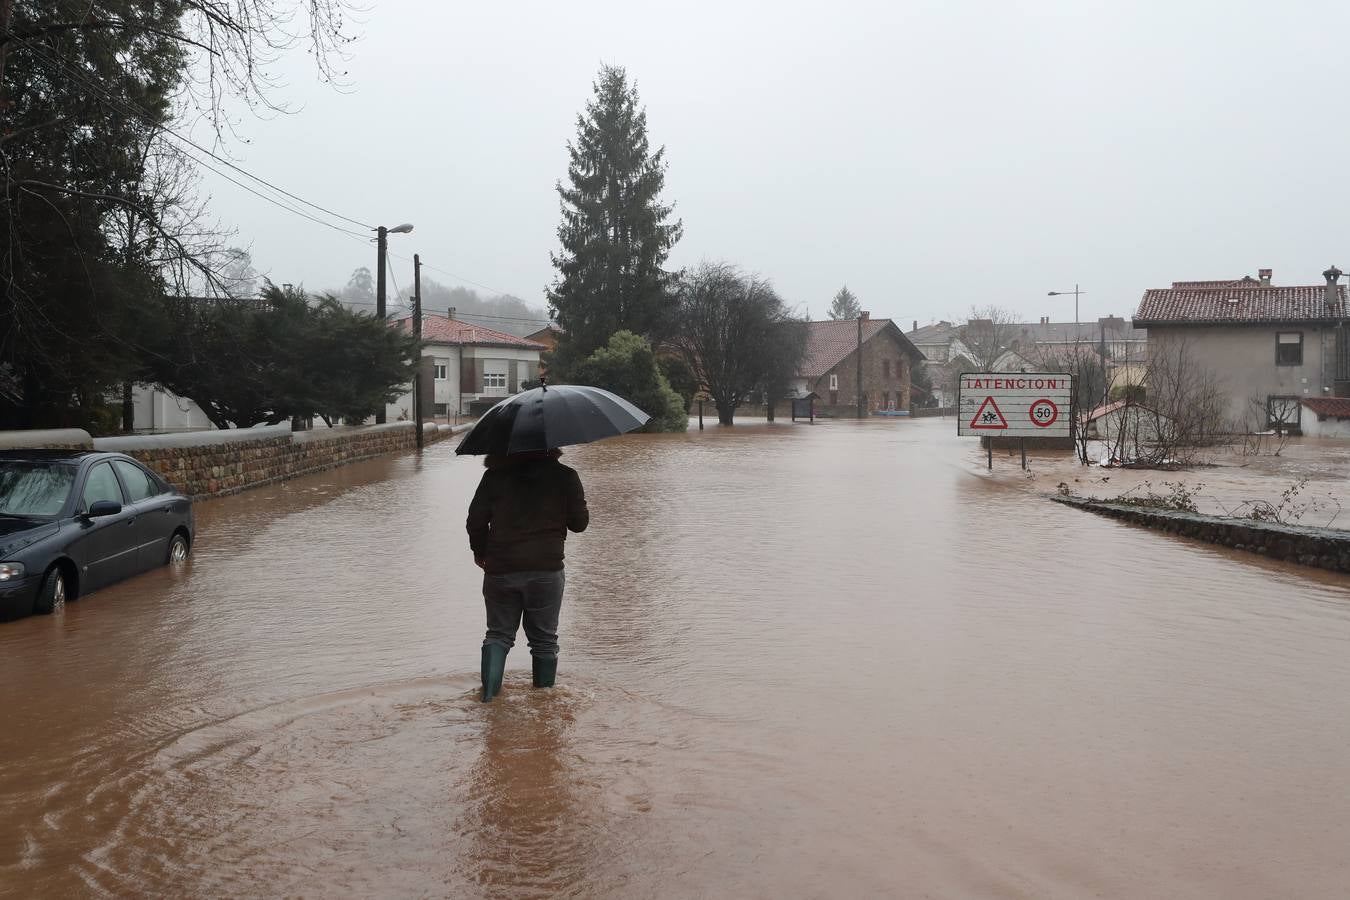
<point x="931" y="155"/>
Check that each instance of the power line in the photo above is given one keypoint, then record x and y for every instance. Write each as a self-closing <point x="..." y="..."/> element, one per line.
<point x="486" y="287"/>
<point x="501" y="318"/>
<point x="463" y="315"/>
<point x="128" y="107"/>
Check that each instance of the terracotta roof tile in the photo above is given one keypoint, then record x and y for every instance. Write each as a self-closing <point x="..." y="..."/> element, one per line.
<point x="443" y="330"/>
<point x="1245" y="281"/>
<point x="828" y="343"/>
<point x="1245" y="306"/>
<point x="1329" y="406"/>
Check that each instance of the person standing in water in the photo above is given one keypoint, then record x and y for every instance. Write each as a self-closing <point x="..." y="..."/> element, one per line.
<point x="518" y="522"/>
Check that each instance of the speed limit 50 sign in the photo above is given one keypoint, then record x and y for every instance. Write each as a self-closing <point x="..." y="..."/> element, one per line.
<point x="1004" y="404"/>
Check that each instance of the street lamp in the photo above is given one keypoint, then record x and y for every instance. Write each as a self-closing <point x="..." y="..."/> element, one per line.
<point x="381" y="252"/>
<point x="1075" y="293"/>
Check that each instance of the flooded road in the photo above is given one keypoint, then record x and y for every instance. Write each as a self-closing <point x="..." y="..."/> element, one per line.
<point x="798" y="661"/>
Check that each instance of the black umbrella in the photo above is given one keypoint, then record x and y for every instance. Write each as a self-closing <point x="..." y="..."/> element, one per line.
<point x="551" y="416"/>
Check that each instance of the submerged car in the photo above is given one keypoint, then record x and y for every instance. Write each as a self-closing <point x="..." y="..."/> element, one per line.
<point x="72" y="522"/>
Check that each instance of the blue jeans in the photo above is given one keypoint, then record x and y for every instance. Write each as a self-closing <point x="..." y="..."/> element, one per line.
<point x="534" y="596"/>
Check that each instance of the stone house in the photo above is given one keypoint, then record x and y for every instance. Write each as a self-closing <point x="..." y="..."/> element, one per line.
<point x="1268" y="348"/>
<point x="465" y="363"/>
<point x="829" y="367"/>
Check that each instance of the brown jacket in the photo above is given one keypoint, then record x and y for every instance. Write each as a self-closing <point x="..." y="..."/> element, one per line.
<point x="522" y="511"/>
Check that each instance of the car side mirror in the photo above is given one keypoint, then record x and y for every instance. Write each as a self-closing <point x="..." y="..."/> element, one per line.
<point x="101" y="508"/>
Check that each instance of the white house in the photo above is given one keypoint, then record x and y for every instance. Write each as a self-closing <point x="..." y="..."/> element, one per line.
<point x="466" y="363"/>
<point x="1325" y="417"/>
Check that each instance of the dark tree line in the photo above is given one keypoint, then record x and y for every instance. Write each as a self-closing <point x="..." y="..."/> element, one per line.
<point x="249" y="361"/>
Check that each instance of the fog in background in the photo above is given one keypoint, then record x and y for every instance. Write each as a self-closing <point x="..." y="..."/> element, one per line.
<point x="929" y="155"/>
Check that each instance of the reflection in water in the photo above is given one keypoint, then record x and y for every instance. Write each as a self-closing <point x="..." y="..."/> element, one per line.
<point x="830" y="660"/>
<point x="522" y="818"/>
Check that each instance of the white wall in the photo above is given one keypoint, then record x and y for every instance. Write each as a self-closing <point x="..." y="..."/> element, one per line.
<point x="445" y="390"/>
<point x="159" y="410"/>
<point x="1243" y="360"/>
<point x="1331" y="428"/>
<point x="495" y="359"/>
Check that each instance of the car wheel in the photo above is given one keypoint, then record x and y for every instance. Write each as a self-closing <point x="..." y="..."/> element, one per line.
<point x="178" y="549"/>
<point x="52" y="595"/>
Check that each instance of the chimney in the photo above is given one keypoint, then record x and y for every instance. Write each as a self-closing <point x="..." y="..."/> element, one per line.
<point x="450" y="313"/>
<point x="865" y="315"/>
<point x="1332" y="295"/>
<point x="916" y="325"/>
<point x="1265" y="276"/>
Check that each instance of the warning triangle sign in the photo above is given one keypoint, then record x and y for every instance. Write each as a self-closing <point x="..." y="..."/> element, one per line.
<point x="989" y="416"/>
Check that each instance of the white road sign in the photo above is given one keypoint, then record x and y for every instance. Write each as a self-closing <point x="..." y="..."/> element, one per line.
<point x="1015" y="404"/>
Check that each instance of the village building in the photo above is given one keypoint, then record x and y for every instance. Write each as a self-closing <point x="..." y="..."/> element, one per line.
<point x="466" y="364"/>
<point x="1325" y="417"/>
<point x="939" y="342"/>
<point x="829" y="367"/>
<point x="546" y="337"/>
<point x="1268" y="348"/>
<point x="1043" y="345"/>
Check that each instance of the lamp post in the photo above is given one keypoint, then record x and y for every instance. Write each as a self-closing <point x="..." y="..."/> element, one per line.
<point x="1073" y="411"/>
<point x="1075" y="293"/>
<point x="381" y="252"/>
<point x="417" y="333"/>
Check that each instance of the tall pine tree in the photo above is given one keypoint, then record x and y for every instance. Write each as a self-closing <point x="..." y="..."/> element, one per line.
<point x="845" y="305"/>
<point x="615" y="232"/>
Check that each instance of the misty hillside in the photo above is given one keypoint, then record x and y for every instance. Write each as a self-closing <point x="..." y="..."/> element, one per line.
<point x="502" y="312"/>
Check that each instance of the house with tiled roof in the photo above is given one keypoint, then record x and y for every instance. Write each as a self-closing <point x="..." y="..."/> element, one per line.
<point x="1269" y="347"/>
<point x="1325" y="417"/>
<point x="829" y="367"/>
<point x="466" y="363"/>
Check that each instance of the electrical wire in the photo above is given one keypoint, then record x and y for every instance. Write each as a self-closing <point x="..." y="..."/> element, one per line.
<point x="528" y="321"/>
<point x="127" y="106"/>
<point x="486" y="287"/>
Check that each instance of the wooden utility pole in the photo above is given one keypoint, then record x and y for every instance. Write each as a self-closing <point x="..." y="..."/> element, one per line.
<point x="417" y="333"/>
<point x="860" y="393"/>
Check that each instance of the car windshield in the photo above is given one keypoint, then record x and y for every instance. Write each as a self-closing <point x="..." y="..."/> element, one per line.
<point x="34" y="488"/>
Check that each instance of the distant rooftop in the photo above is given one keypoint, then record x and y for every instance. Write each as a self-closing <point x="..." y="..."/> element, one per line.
<point x="445" y="330"/>
<point x="829" y="342"/>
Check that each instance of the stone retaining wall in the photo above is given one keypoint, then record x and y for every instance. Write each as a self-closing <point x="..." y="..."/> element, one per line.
<point x="215" y="463"/>
<point x="1324" y="548"/>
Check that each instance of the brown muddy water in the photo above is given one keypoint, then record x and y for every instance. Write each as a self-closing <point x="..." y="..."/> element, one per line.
<point x="798" y="661"/>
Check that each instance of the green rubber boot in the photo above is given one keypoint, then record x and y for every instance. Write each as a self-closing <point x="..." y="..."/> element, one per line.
<point x="545" y="670"/>
<point x="494" y="666"/>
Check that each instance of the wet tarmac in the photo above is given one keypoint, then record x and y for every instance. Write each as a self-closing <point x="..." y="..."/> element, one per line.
<point x="798" y="661"/>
